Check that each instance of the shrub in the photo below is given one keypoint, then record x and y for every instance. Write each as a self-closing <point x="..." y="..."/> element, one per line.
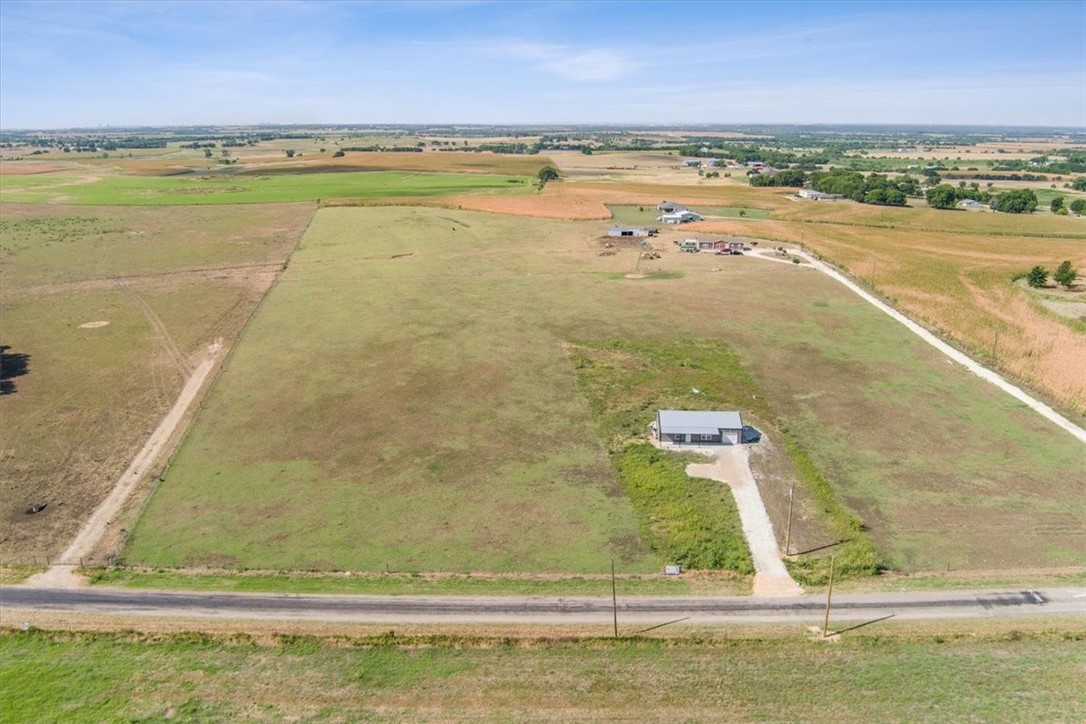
<point x="692" y="522"/>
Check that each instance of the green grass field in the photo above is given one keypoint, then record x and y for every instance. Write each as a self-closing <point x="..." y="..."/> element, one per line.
<point x="407" y="398"/>
<point x="248" y="189"/>
<point x="91" y="677"/>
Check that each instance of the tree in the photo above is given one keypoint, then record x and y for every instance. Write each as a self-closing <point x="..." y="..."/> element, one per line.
<point x="1057" y="204"/>
<point x="943" y="196"/>
<point x="1065" y="275"/>
<point x="1079" y="184"/>
<point x="289" y="152"/>
<point x="1078" y="206"/>
<point x="207" y="153"/>
<point x="1019" y="201"/>
<point x="548" y="173"/>
<point x="339" y="154"/>
<point x="1037" y="277"/>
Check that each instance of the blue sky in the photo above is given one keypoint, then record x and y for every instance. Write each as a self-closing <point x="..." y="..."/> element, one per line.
<point x="160" y="63"/>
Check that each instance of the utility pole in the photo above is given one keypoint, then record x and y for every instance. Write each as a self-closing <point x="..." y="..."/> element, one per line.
<point x="788" y="533"/>
<point x="829" y="596"/>
<point x="614" y="597"/>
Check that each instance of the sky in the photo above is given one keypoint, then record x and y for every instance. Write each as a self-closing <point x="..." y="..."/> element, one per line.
<point x="88" y="64"/>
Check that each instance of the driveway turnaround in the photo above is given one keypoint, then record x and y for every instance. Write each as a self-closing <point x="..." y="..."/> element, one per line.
<point x="732" y="467"/>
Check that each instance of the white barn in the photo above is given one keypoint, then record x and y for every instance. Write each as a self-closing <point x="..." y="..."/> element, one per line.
<point x="700" y="427"/>
<point x="679" y="217"/>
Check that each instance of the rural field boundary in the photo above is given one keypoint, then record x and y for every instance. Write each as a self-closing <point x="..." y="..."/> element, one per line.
<point x="957" y="356"/>
<point x="61" y="574"/>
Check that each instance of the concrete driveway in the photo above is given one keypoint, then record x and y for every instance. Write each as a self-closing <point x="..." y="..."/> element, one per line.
<point x="731" y="466"/>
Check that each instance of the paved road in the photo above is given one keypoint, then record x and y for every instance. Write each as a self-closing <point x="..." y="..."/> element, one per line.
<point x="450" y="609"/>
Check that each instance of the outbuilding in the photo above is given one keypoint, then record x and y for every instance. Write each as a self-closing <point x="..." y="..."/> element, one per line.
<point x="670" y="207"/>
<point x="698" y="427"/>
<point x="817" y="195"/>
<point x="634" y="231"/>
<point x="679" y="217"/>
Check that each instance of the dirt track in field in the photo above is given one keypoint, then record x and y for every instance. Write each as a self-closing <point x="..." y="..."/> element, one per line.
<point x="61" y="575"/>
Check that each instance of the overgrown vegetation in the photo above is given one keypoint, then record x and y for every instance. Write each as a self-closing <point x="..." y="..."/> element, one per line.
<point x="627" y="381"/>
<point x="692" y="522"/>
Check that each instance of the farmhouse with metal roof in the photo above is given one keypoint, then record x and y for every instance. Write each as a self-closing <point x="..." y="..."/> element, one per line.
<point x="679" y="217"/>
<point x="700" y="427"/>
<point x="670" y="207"/>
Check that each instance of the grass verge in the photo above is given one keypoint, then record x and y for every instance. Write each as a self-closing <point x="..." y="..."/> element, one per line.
<point x="419" y="584"/>
<point x="10" y="575"/>
<point x="92" y="676"/>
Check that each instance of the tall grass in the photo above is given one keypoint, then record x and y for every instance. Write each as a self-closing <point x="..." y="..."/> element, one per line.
<point x="689" y="521"/>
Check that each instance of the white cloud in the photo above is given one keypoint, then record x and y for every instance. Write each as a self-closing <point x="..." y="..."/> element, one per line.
<point x="589" y="64"/>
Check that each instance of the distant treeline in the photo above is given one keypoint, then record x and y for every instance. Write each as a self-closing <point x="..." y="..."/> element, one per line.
<point x="1075" y="163"/>
<point x="394" y="149"/>
<point x="995" y="176"/>
<point x="873" y="189"/>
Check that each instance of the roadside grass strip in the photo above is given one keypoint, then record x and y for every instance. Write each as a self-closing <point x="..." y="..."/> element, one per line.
<point x="195" y="676"/>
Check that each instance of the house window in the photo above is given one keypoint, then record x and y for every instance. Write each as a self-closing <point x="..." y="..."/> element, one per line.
<point x="705" y="438"/>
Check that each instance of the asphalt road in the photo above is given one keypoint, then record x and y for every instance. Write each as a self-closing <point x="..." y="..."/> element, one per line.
<point x="530" y="610"/>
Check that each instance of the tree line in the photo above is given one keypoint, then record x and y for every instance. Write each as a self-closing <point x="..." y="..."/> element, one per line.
<point x="871" y="189"/>
<point x="1015" y="201"/>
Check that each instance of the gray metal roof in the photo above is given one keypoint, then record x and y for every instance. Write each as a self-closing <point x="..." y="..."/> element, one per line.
<point x="699" y="422"/>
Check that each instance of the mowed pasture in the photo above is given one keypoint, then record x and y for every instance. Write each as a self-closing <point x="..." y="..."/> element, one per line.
<point x="105" y="312"/>
<point x="406" y="398"/>
<point x="105" y="188"/>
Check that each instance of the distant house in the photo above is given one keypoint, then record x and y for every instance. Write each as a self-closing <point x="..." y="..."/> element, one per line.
<point x="679" y="217"/>
<point x="817" y="195"/>
<point x="692" y="163"/>
<point x="713" y="162"/>
<point x="971" y="204"/>
<point x="634" y="231"/>
<point x="677" y="427"/>
<point x="704" y="245"/>
<point x="689" y="245"/>
<point x="727" y="244"/>
<point x="669" y="207"/>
